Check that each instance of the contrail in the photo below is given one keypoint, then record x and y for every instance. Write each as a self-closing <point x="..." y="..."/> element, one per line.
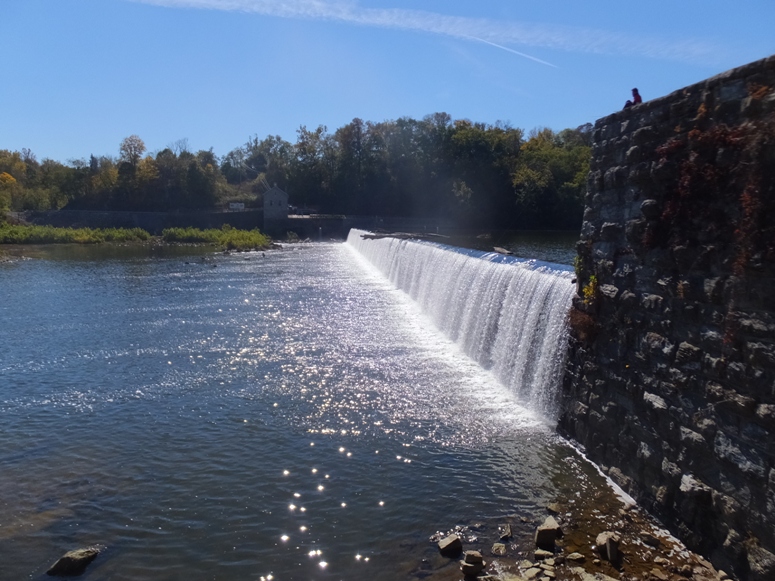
<point x="522" y="54"/>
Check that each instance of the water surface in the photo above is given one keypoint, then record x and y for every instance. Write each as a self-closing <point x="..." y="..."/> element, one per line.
<point x="236" y="416"/>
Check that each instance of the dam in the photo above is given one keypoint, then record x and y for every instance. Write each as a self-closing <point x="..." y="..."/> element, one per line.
<point x="507" y="314"/>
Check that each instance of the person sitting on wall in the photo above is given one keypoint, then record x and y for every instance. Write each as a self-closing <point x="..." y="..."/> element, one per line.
<point x="636" y="99"/>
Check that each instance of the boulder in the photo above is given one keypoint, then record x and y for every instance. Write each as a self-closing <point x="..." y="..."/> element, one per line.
<point x="607" y="544"/>
<point x="541" y="555"/>
<point x="450" y="546"/>
<point x="533" y="573"/>
<point x="73" y="563"/>
<point x="547" y="533"/>
<point x="473" y="557"/>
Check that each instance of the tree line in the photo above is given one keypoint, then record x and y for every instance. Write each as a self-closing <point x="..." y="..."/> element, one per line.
<point x="471" y="174"/>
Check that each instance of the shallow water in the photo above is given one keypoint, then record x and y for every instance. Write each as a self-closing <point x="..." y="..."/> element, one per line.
<point x="290" y="414"/>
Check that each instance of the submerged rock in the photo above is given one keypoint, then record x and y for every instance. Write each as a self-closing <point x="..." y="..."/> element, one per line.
<point x="498" y="549"/>
<point x="554" y="508"/>
<point x="73" y="563"/>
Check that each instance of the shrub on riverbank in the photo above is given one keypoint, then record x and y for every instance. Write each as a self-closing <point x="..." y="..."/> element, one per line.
<point x="227" y="237"/>
<point x="18" y="234"/>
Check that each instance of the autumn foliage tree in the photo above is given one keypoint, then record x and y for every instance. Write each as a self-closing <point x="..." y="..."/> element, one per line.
<point x="132" y="149"/>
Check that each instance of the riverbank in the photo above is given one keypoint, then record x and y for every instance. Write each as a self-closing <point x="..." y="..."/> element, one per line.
<point x="587" y="511"/>
<point x="225" y="238"/>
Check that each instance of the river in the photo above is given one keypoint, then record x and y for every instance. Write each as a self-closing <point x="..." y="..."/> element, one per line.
<point x="281" y="415"/>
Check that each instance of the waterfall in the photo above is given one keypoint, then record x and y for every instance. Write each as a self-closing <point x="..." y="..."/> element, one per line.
<point x="507" y="314"/>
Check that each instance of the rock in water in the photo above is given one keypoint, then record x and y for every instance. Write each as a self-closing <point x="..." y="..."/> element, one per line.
<point x="471" y="569"/>
<point x="547" y="533"/>
<point x="498" y="549"/>
<point x="450" y="546"/>
<point x="472" y="564"/>
<point x="533" y="573"/>
<point x="504" y="531"/>
<point x="554" y="508"/>
<point x="73" y="563"/>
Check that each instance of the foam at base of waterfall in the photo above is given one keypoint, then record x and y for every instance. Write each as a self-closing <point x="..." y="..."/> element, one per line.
<point x="507" y="314"/>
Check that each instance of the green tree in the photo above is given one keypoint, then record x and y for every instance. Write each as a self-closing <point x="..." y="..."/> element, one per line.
<point x="269" y="158"/>
<point x="7" y="185"/>
<point x="11" y="163"/>
<point x="308" y="171"/>
<point x="550" y="178"/>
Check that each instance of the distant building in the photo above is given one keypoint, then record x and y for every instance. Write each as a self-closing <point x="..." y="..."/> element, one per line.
<point x="275" y="208"/>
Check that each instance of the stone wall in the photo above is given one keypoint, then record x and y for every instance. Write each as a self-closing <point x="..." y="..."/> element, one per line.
<point x="670" y="384"/>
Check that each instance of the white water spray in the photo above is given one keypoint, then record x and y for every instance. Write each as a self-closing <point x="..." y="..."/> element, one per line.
<point x="509" y="315"/>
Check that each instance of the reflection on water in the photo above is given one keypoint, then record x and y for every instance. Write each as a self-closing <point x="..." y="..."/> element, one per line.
<point x="290" y="415"/>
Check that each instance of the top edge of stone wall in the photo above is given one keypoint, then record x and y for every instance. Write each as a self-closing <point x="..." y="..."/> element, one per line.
<point x="742" y="72"/>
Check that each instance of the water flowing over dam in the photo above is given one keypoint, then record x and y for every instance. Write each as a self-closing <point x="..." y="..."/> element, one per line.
<point x="507" y="314"/>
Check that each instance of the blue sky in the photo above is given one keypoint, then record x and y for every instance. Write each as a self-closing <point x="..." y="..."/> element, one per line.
<point x="80" y="75"/>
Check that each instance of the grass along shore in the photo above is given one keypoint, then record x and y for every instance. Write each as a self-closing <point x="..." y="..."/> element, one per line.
<point x="227" y="238"/>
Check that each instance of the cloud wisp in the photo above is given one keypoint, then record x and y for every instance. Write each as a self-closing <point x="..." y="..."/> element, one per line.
<point x="492" y="32"/>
